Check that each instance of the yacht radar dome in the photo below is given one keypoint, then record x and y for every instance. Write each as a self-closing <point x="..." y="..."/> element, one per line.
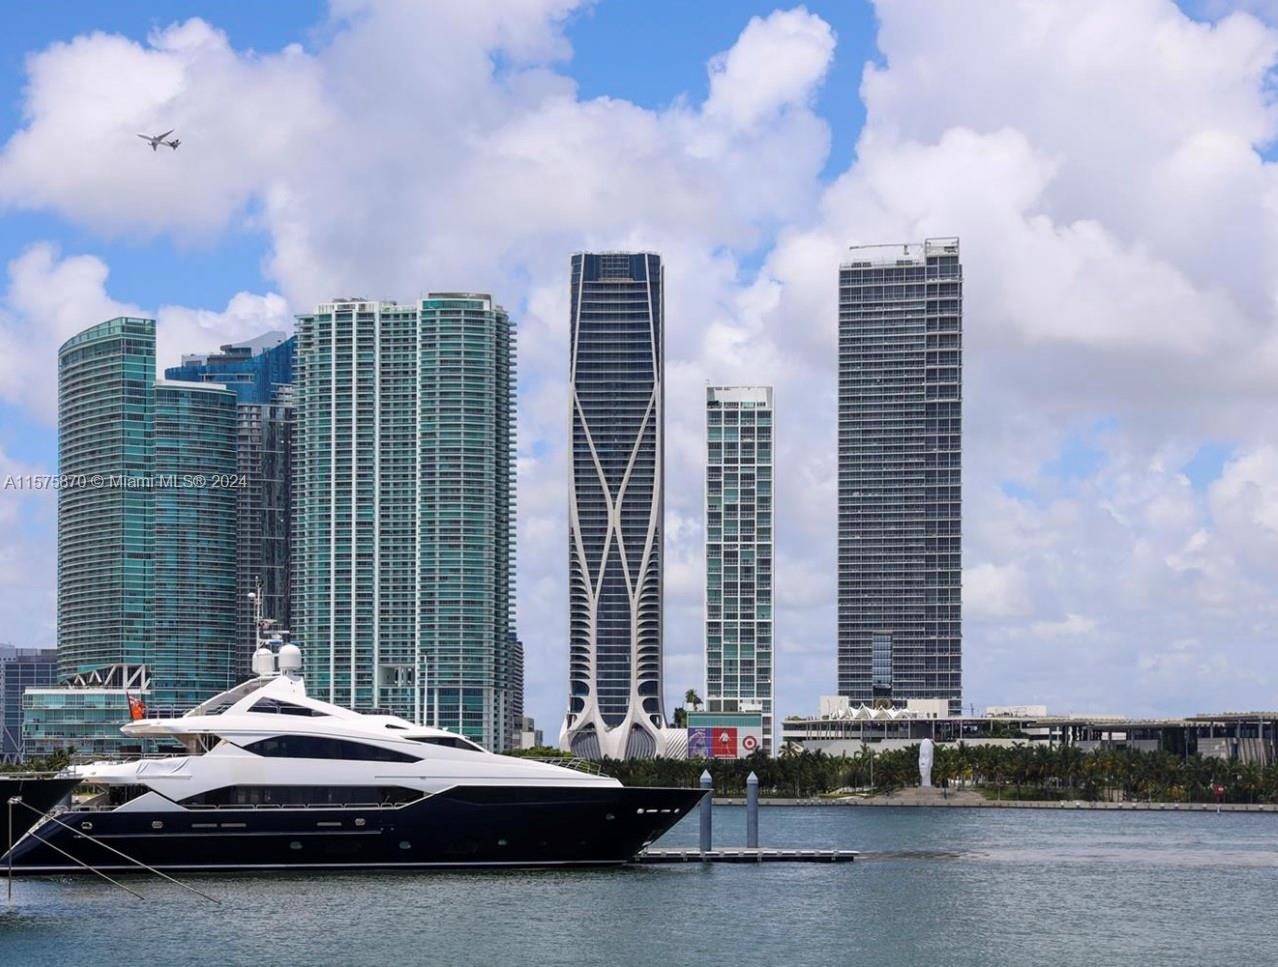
<point x="264" y="661"/>
<point x="290" y="659"/>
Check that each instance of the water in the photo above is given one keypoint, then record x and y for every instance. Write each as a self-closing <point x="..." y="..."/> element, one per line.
<point x="949" y="887"/>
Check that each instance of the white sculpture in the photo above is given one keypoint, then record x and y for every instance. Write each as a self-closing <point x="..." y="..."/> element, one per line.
<point x="926" y="750"/>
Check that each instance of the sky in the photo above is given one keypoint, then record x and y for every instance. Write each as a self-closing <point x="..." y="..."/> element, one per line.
<point x="1108" y="166"/>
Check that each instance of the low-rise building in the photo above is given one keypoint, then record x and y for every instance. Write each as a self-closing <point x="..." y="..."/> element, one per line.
<point x="529" y="736"/>
<point x="20" y="669"/>
<point x="1237" y="736"/>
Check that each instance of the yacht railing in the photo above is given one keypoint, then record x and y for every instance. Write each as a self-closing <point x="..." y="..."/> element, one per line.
<point x="567" y="762"/>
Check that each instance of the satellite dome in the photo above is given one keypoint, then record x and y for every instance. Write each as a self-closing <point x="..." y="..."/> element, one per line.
<point x="290" y="658"/>
<point x="264" y="661"/>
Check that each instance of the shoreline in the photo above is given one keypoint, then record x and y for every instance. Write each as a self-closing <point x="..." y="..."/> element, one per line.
<point x="966" y="803"/>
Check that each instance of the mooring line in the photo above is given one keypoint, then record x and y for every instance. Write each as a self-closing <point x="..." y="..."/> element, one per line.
<point x="108" y="846"/>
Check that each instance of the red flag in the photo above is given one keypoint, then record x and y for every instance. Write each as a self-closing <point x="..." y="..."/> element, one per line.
<point x="137" y="710"/>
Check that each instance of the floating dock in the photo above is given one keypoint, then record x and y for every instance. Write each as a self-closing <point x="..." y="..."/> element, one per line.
<point x="744" y="854"/>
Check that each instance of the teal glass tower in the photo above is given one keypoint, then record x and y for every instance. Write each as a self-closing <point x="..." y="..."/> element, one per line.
<point x="105" y="532"/>
<point x="195" y="496"/>
<point x="146" y="543"/>
<point x="739" y="543"/>
<point x="403" y="552"/>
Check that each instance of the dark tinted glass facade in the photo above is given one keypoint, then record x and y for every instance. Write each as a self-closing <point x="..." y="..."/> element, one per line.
<point x="20" y="668"/>
<point x="900" y="454"/>
<point x="615" y="511"/>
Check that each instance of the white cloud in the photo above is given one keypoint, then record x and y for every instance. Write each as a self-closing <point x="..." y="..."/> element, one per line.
<point x="991" y="590"/>
<point x="775" y="63"/>
<point x="1071" y="626"/>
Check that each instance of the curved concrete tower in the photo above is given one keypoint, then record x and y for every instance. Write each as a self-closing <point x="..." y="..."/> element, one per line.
<point x="615" y="507"/>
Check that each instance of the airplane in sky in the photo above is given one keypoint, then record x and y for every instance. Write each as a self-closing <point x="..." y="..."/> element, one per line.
<point x="156" y="140"/>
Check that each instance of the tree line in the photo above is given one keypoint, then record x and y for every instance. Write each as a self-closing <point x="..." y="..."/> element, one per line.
<point x="1020" y="771"/>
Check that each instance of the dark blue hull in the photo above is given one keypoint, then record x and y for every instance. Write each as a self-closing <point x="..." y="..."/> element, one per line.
<point x="36" y="795"/>
<point x="465" y="826"/>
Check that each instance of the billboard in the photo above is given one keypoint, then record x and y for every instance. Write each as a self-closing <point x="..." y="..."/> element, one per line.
<point x="724" y="735"/>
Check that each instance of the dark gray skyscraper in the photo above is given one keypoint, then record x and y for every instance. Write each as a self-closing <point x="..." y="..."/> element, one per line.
<point x="900" y="455"/>
<point x="615" y="507"/>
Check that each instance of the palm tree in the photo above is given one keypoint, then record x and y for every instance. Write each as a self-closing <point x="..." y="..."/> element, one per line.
<point x="690" y="697"/>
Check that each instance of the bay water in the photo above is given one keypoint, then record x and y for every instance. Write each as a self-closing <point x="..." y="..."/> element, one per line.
<point x="945" y="886"/>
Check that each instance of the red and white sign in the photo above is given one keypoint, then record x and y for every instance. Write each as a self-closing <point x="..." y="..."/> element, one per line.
<point x="719" y="740"/>
<point x="725" y="742"/>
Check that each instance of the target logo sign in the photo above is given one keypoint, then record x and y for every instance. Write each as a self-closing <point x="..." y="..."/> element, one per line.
<point x="749" y="744"/>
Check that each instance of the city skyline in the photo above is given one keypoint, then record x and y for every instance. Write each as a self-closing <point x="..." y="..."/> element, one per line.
<point x="1120" y="478"/>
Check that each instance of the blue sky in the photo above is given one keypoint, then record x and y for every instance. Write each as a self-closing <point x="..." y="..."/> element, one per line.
<point x="1114" y="467"/>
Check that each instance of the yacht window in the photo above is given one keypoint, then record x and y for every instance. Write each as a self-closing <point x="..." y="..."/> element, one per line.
<point x="322" y="747"/>
<point x="452" y="741"/>
<point x="119" y="795"/>
<point x="303" y="796"/>
<point x="284" y="708"/>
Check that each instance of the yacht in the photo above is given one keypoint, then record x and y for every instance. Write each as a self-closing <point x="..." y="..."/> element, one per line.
<point x="273" y="779"/>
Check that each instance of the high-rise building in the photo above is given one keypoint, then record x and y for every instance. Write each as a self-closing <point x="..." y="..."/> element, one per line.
<point x="146" y="542"/>
<point x="20" y="669"/>
<point x="105" y="531"/>
<point x="195" y="494"/>
<point x="260" y="372"/>
<point x="106" y="528"/>
<point x="615" y="531"/>
<point x="900" y="455"/>
<point x="739" y="542"/>
<point x="403" y="551"/>
<point x="515" y="657"/>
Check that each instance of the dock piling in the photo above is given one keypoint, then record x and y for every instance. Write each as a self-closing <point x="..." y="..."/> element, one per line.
<point x="752" y="811"/>
<point x="707" y="804"/>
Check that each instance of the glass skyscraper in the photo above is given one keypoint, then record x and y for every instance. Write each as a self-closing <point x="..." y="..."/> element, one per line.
<point x="105" y="532"/>
<point x="616" y="366"/>
<point x="195" y="494"/>
<point x="739" y="560"/>
<point x="403" y="542"/>
<point x="900" y="456"/>
<point x="260" y="372"/>
<point x="146" y="542"/>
